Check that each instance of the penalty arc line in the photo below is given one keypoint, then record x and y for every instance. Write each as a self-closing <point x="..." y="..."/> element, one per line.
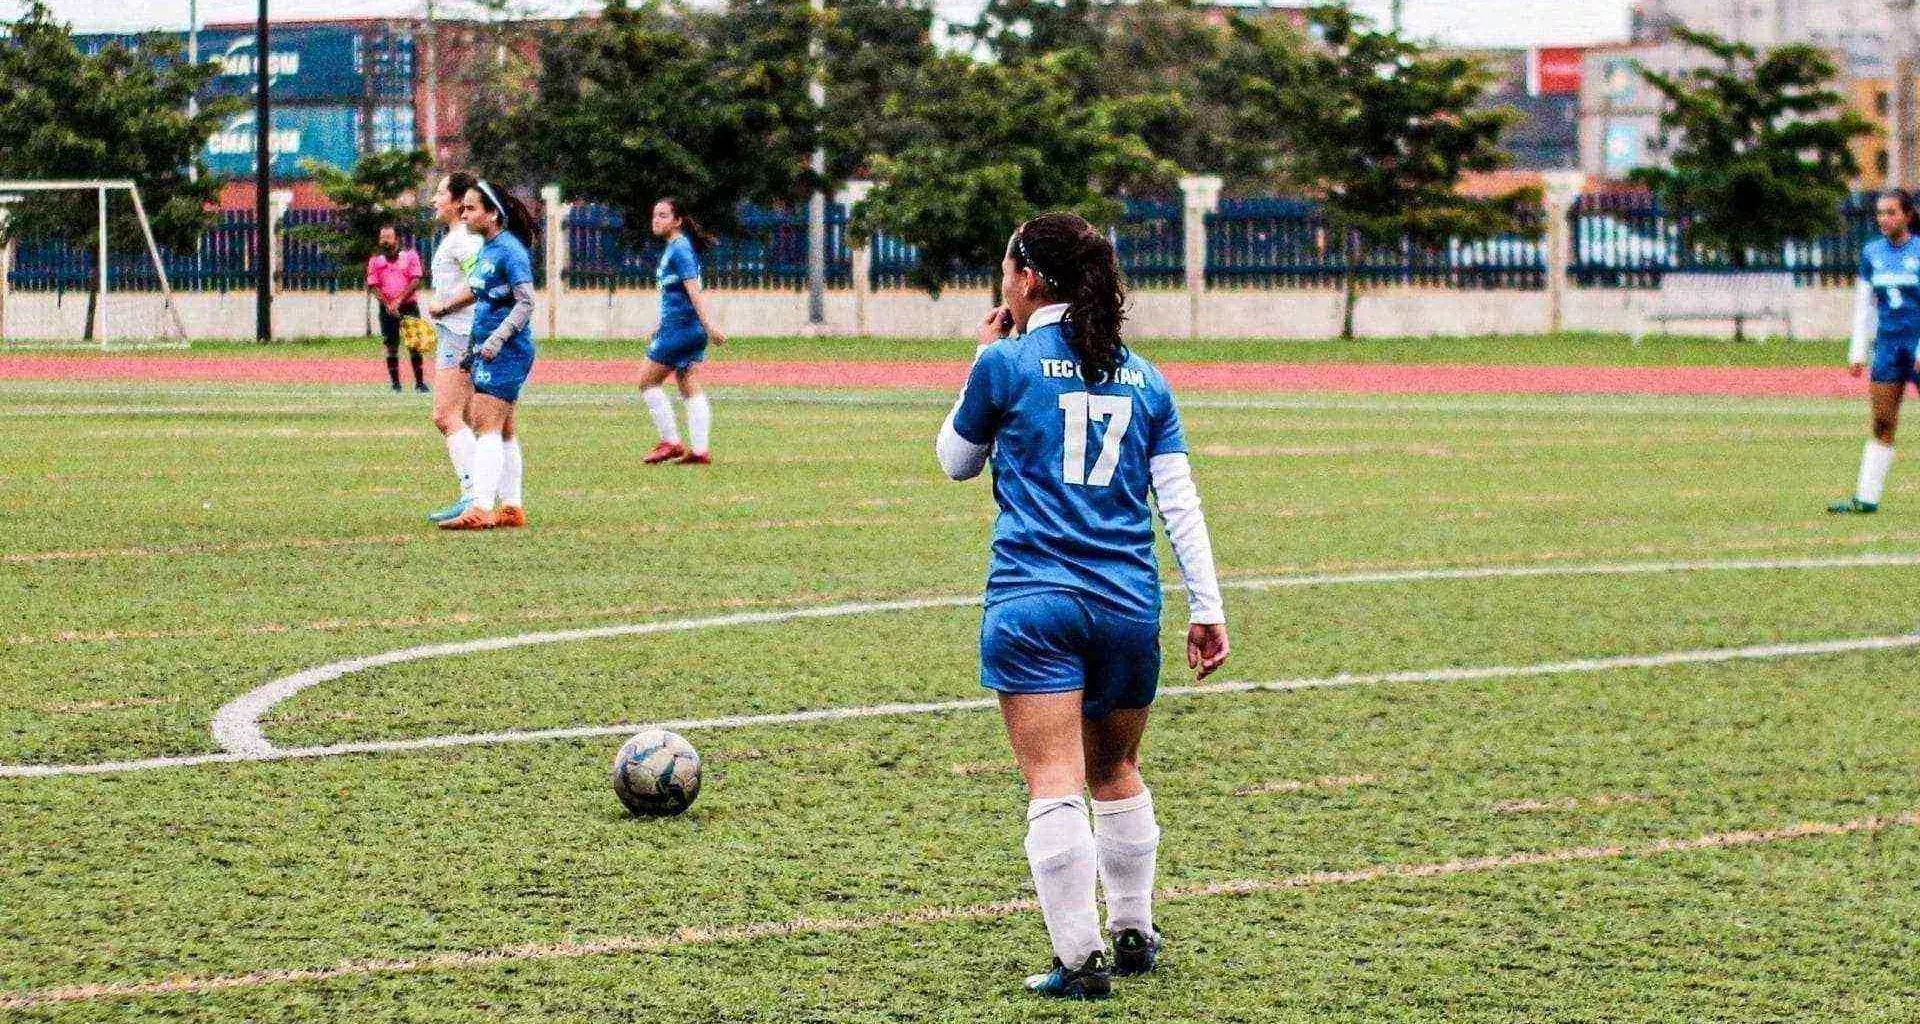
<point x="236" y="726"/>
<point x="733" y="934"/>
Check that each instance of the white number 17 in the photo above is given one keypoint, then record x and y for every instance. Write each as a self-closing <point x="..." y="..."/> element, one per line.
<point x="1081" y="409"/>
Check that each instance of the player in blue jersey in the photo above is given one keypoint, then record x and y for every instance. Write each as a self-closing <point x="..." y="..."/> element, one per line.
<point x="501" y="350"/>
<point x="1080" y="430"/>
<point x="1886" y="315"/>
<point x="680" y="343"/>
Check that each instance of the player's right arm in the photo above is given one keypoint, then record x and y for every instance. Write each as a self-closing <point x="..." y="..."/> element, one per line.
<point x="966" y="438"/>
<point x="1866" y="316"/>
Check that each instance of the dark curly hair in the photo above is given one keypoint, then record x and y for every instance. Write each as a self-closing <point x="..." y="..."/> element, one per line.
<point x="1077" y="265"/>
<point x="1906" y="201"/>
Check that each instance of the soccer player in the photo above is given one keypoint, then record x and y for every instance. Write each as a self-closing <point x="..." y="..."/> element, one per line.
<point x="393" y="277"/>
<point x="501" y="350"/>
<point x="1079" y="429"/>
<point x="452" y="313"/>
<point x="680" y="344"/>
<point x="1886" y="313"/>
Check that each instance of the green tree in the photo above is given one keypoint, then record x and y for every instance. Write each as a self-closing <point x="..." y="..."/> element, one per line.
<point x="1383" y="131"/>
<point x="381" y="189"/>
<point x="995" y="145"/>
<point x="646" y="101"/>
<point x="118" y="115"/>
<point x="872" y="51"/>
<point x="1759" y="146"/>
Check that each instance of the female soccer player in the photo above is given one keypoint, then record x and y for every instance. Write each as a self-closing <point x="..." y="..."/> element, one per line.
<point x="452" y="313"/>
<point x="501" y="349"/>
<point x="1079" y="429"/>
<point x="680" y="345"/>
<point x="393" y="276"/>
<point x="1886" y="312"/>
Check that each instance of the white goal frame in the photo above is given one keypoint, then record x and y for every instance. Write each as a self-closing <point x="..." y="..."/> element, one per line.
<point x="11" y="191"/>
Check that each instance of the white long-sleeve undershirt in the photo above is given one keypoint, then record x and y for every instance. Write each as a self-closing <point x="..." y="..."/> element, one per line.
<point x="1866" y="321"/>
<point x="960" y="458"/>
<point x="1186" y="526"/>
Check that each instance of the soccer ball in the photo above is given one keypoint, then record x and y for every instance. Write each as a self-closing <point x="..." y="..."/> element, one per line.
<point x="657" y="773"/>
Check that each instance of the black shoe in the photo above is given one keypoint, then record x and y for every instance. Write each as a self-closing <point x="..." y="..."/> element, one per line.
<point x="1135" y="952"/>
<point x="396" y="387"/>
<point x="1090" y="980"/>
<point x="1854" y="507"/>
<point x="421" y="387"/>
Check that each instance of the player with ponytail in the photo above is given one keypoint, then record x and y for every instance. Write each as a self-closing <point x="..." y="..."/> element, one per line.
<point x="1886" y="320"/>
<point x="1080" y="431"/>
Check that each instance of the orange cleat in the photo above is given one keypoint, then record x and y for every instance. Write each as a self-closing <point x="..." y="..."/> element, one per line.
<point x="510" y="516"/>
<point x="475" y="518"/>
<point x="665" y="451"/>
<point x="695" y="459"/>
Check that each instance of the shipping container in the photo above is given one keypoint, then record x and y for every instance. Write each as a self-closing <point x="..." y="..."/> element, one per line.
<point x="328" y="134"/>
<point x="311" y="63"/>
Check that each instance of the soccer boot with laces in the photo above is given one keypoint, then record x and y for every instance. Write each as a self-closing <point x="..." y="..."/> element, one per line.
<point x="1090" y="980"/>
<point x="1853" y="507"/>
<point x="475" y="518"/>
<point x="509" y="517"/>
<point x="665" y="451"/>
<point x="695" y="459"/>
<point x="1135" y="952"/>
<point x="441" y="515"/>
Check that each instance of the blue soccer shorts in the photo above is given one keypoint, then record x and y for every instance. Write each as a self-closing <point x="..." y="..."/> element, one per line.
<point x="1054" y="641"/>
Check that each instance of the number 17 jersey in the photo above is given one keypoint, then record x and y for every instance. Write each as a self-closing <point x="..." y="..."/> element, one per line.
<point x="1071" y="469"/>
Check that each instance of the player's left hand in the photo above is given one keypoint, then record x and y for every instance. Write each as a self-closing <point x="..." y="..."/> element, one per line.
<point x="716" y="337"/>
<point x="1207" y="648"/>
<point x="491" y="349"/>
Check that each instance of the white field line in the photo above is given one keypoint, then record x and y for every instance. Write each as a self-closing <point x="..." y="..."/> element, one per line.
<point x="733" y="934"/>
<point x="269" y="752"/>
<point x="236" y="726"/>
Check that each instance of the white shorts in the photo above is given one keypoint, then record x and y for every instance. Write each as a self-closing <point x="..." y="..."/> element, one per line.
<point x="453" y="347"/>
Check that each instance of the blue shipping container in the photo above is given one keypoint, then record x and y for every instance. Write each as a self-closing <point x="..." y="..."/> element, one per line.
<point x="338" y="63"/>
<point x="327" y="134"/>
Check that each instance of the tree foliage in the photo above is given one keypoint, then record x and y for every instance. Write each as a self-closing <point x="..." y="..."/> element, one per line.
<point x="1759" y="145"/>
<point x="117" y="115"/>
<point x="993" y="145"/>
<point x="381" y="189"/>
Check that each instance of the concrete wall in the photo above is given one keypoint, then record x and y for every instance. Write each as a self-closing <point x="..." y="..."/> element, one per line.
<point x="1222" y="313"/>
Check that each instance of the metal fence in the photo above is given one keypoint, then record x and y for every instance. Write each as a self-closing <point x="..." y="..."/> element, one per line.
<point x="1630" y="240"/>
<point x="1622" y="240"/>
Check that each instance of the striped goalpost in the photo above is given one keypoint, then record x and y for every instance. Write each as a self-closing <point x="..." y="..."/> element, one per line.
<point x="38" y="309"/>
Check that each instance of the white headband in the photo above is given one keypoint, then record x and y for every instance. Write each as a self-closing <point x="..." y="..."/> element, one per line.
<point x="498" y="206"/>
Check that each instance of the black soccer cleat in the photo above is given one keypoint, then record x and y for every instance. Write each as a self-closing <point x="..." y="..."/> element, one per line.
<point x="1091" y="980"/>
<point x="1135" y="952"/>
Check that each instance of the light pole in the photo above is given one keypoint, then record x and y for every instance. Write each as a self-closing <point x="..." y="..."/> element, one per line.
<point x="1900" y="133"/>
<point x="263" y="166"/>
<point x="817" y="203"/>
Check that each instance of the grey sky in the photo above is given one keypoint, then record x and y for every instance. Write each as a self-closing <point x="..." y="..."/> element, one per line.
<point x="1465" y="22"/>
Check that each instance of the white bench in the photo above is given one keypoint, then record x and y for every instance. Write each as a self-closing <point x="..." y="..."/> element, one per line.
<point x="1738" y="297"/>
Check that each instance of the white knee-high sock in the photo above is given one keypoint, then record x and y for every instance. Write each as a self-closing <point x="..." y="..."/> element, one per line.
<point x="1060" y="852"/>
<point x="661" y="408"/>
<point x="1874" y="463"/>
<point x="512" y="471"/>
<point x="699" y="422"/>
<point x="489" y="462"/>
<point x="460" y="450"/>
<point x="1128" y="841"/>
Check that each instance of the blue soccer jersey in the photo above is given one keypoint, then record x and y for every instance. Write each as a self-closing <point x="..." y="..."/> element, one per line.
<point x="501" y="263"/>
<point x="1070" y="470"/>
<point x="1894" y="273"/>
<point x="678" y="265"/>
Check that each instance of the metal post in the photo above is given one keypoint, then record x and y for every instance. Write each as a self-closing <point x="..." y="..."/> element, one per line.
<point x="1398" y="9"/>
<point x="100" y="294"/>
<point x="817" y="203"/>
<point x="193" y="57"/>
<point x="1900" y="132"/>
<point x="263" y="167"/>
<point x="433" y="89"/>
<point x="6" y="267"/>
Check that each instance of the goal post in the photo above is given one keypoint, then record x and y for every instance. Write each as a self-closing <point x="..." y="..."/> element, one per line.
<point x="55" y="294"/>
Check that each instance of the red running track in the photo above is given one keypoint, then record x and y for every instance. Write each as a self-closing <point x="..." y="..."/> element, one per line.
<point x="1371" y="378"/>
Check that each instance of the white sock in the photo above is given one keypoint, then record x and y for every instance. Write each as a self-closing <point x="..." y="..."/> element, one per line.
<point x="460" y="450"/>
<point x="661" y="407"/>
<point x="1060" y="852"/>
<point x="512" y="470"/>
<point x="1874" y="463"/>
<point x="699" y="422"/>
<point x="489" y="462"/>
<point x="1128" y="841"/>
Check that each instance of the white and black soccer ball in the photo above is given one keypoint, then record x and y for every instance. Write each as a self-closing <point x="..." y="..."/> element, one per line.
<point x="657" y="774"/>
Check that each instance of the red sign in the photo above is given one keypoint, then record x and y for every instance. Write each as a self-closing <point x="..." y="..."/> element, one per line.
<point x="1557" y="70"/>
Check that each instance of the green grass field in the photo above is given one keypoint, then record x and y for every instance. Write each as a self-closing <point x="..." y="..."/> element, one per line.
<point x="170" y="547"/>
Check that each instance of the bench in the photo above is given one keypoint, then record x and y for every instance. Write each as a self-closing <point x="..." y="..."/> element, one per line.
<point x="1738" y="297"/>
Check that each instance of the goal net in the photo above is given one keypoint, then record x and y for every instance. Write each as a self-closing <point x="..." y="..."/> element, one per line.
<point x="79" y="268"/>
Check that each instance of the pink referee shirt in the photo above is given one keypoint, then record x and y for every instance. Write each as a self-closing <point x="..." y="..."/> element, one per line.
<point x="392" y="277"/>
